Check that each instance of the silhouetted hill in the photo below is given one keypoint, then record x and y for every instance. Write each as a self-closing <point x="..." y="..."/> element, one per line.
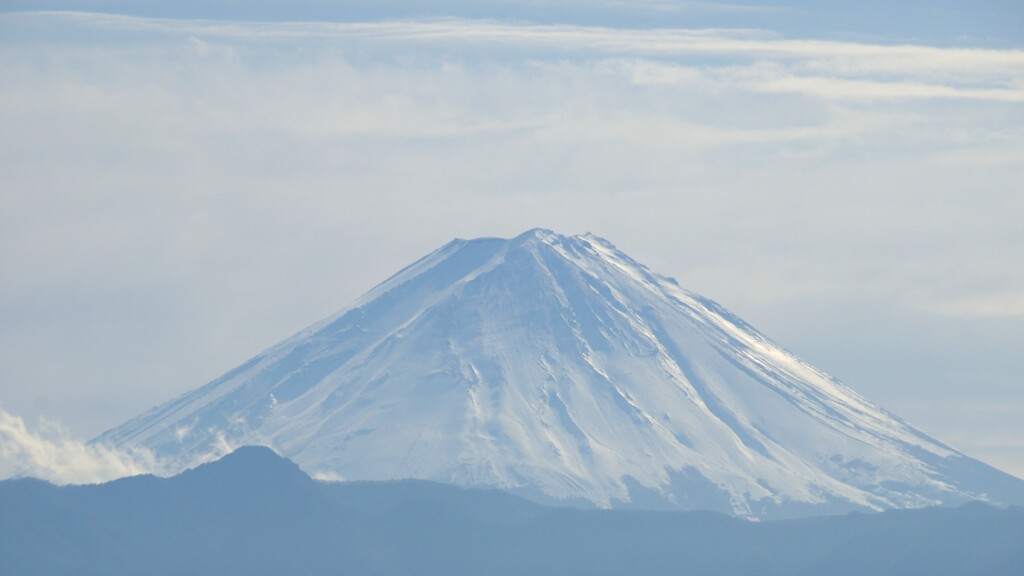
<point x="254" y="512"/>
<point x="390" y="496"/>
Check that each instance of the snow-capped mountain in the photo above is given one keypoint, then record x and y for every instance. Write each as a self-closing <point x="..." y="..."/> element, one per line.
<point x="559" y="368"/>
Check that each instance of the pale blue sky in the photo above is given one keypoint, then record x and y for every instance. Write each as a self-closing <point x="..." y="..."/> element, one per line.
<point x="177" y="194"/>
<point x="936" y="21"/>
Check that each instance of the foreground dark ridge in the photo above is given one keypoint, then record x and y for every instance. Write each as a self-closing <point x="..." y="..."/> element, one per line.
<point x="254" y="512"/>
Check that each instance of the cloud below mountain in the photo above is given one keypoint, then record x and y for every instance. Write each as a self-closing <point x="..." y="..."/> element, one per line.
<point x="51" y="454"/>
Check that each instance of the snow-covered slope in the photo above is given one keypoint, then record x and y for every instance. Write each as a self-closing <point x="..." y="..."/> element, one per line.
<point x="558" y="367"/>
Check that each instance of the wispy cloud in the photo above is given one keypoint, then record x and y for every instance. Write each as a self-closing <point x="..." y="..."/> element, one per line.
<point x="1009" y="305"/>
<point x="677" y="6"/>
<point x="820" y="68"/>
<point x="51" y="454"/>
<point x="847" y="89"/>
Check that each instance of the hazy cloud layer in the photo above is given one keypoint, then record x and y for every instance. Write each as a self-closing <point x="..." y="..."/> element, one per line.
<point x="862" y="70"/>
<point x="177" y="195"/>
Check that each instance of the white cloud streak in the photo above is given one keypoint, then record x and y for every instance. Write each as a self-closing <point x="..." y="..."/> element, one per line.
<point x="817" y="68"/>
<point x="966" y="65"/>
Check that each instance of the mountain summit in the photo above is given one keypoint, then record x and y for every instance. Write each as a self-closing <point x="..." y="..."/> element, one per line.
<point x="559" y="368"/>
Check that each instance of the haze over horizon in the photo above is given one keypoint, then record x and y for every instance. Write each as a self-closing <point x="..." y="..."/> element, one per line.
<point x="185" y="184"/>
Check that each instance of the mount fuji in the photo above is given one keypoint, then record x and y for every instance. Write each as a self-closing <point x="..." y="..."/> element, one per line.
<point x="560" y="369"/>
